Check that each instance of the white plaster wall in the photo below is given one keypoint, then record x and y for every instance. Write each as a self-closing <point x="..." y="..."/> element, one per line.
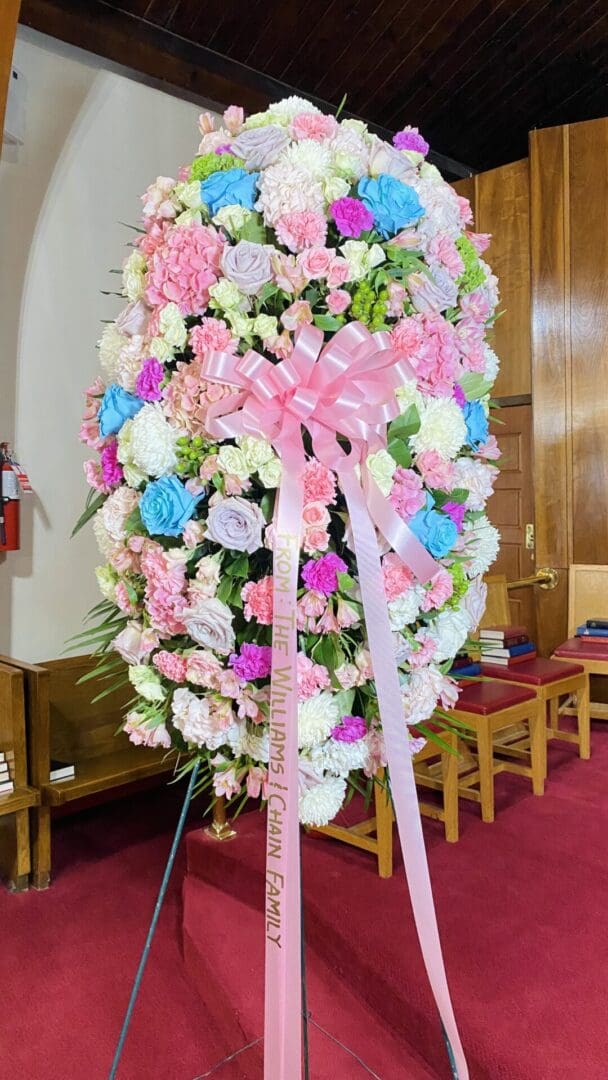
<point x="94" y="141"/>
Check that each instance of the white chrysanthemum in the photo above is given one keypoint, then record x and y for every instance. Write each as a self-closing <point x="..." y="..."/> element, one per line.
<point x="492" y="364"/>
<point x="105" y="543"/>
<point x="134" y="276"/>
<point x="316" y="718"/>
<point x="321" y="801"/>
<point x="449" y="631"/>
<point x="119" y="504"/>
<point x="310" y="155"/>
<point x="285" y="188"/>
<point x="339" y="758"/>
<point x="153" y="441"/>
<point x="477" y="478"/>
<point x="283" y="112"/>
<point x="110" y="344"/>
<point x="349" y="153"/>
<point x="442" y="427"/>
<point x="481" y="542"/>
<point x="407" y="394"/>
<point x="405" y="609"/>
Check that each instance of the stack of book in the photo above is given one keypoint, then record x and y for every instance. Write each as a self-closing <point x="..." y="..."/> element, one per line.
<point x="594" y="630"/>
<point x="464" y="667"/>
<point x="61" y="770"/>
<point x="6" y="784"/>
<point x="506" y="646"/>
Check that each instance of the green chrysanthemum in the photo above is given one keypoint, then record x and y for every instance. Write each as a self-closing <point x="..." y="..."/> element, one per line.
<point x="203" y="167"/>
<point x="473" y="275"/>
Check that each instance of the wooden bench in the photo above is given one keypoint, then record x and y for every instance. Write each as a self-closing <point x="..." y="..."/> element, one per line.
<point x="63" y="723"/>
<point x="15" y="863"/>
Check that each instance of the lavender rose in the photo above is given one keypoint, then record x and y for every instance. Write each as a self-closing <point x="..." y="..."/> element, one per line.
<point x="432" y="294"/>
<point x="237" y="524"/>
<point x="248" y="266"/>
<point x="134" y="319"/>
<point x="210" y="625"/>
<point x="260" y="146"/>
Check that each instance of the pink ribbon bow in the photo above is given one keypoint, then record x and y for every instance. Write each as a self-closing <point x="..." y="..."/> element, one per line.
<point x="345" y="391"/>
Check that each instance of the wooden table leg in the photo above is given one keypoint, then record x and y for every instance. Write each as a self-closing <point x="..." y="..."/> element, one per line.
<point x="583" y="721"/>
<point x="485" y="761"/>
<point x="449" y="773"/>
<point x="538" y="747"/>
<point x="384" y="827"/>
<point x="220" y="828"/>
<point x="41" y="847"/>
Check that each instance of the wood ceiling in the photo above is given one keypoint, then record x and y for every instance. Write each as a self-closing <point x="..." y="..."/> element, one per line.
<point x="474" y="75"/>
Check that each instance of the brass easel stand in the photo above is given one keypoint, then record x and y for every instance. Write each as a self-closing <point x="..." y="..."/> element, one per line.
<point x="220" y="828"/>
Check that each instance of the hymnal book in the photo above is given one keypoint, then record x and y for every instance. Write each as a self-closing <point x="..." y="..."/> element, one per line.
<point x="3" y="769"/>
<point x="597" y="624"/>
<point x="510" y="661"/>
<point x="6" y="787"/>
<point x="488" y="649"/>
<point x="503" y="633"/>
<point x="466" y="672"/>
<point x="460" y="662"/>
<point x="62" y="770"/>
<point x="592" y="632"/>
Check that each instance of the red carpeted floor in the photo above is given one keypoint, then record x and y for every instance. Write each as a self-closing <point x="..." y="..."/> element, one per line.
<point x="521" y="906"/>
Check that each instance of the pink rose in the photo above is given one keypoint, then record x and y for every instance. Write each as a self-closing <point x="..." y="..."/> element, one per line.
<point x="339" y="272"/>
<point x="337" y="301"/>
<point x="315" y="262"/>
<point x="248" y="266"/>
<point x="315" y="539"/>
<point x="316" y="513"/>
<point x="133" y="643"/>
<point x="436" y="472"/>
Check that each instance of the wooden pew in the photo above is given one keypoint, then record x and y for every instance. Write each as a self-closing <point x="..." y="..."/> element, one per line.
<point x="63" y="723"/>
<point x="14" y="806"/>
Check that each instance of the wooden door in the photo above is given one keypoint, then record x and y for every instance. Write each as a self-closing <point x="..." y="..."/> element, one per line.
<point x="511" y="509"/>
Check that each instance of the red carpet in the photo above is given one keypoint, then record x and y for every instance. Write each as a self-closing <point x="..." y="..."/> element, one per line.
<point x="521" y="905"/>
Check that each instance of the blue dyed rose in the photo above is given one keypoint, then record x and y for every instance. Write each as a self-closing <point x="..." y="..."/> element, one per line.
<point x="166" y="505"/>
<point x="117" y="406"/>
<point x="477" y="424"/>
<point x="436" y="531"/>
<point x="394" y="204"/>
<point x="235" y="187"/>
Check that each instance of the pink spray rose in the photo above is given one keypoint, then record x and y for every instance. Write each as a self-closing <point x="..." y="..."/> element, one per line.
<point x="337" y="301"/>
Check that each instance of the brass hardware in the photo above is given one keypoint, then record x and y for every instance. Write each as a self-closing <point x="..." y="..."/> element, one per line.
<point x="546" y="577"/>
<point x="220" y="828"/>
<point x="529" y="537"/>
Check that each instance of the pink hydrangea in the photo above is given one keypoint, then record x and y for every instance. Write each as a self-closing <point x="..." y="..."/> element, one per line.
<point x="309" y="125"/>
<point x="301" y="229"/>
<point x="397" y="577"/>
<point x="436" y="472"/>
<point x="433" y="348"/>
<point x="257" y="600"/>
<point x="171" y="665"/>
<point x="110" y="466"/>
<point x="311" y="677"/>
<point x="407" y="494"/>
<point x="337" y="301"/>
<point x="319" y="483"/>
<point x="184" y="267"/>
<point x="322" y="574"/>
<point x="442" y="587"/>
<point x="212" y="334"/>
<point x="187" y="397"/>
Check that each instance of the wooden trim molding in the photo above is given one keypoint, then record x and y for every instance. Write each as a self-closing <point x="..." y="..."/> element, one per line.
<point x="9" y="15"/>
<point x="513" y="399"/>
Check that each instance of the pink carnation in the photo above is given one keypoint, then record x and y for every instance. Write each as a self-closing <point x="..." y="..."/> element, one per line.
<point x="433" y="348"/>
<point x="122" y="598"/>
<point x="301" y="229"/>
<point x="204" y="669"/>
<point x="319" y="483"/>
<point x="171" y="665"/>
<point x="407" y="495"/>
<point x="350" y="729"/>
<point x="436" y="472"/>
<point x="184" y="267"/>
<point x="480" y="241"/>
<point x="466" y="214"/>
<point x="212" y="334"/>
<point x="311" y="677"/>
<point x="257" y="599"/>
<point x="425" y="652"/>
<point x="317" y="126"/>
<point x="337" y="301"/>
<point x="442" y="587"/>
<point x="94" y="476"/>
<point x="397" y="577"/>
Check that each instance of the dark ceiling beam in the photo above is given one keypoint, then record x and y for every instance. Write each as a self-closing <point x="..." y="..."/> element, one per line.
<point x="158" y="53"/>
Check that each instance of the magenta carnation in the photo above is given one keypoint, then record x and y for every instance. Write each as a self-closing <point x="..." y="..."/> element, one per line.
<point x="322" y="574"/>
<point x="350" y="729"/>
<point x="110" y="468"/>
<point x="456" y="512"/>
<point x="147" y="385"/>
<point x="252" y="662"/>
<point x="351" y="216"/>
<point x="411" y="139"/>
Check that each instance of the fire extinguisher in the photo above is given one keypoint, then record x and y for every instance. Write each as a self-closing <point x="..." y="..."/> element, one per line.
<point x="9" y="503"/>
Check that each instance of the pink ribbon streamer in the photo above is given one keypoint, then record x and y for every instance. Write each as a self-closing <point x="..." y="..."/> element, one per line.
<point x="348" y="389"/>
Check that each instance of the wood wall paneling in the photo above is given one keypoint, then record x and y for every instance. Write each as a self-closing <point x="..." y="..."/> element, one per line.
<point x="9" y="14"/>
<point x="587" y="313"/>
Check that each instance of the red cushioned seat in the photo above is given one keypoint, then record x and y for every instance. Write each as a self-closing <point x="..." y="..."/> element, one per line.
<point x="486" y="698"/>
<point x="581" y="649"/>
<point x="534" y="672"/>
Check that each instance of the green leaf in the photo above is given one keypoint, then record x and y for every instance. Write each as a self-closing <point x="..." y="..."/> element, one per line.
<point x="224" y="589"/>
<point x="344" y="701"/>
<point x="345" y="582"/>
<point x="474" y="385"/>
<point x="458" y="495"/>
<point x="253" y="230"/>
<point x="327" y="322"/>
<point x="405" y="425"/>
<point x="269" y="290"/>
<point x="133" y="523"/>
<point x="401" y="452"/>
<point x="89" y="512"/>
<point x="311" y="295"/>
<point x="239" y="567"/>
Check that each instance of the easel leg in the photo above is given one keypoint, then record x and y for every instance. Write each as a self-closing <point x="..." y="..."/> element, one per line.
<point x="220" y="828"/>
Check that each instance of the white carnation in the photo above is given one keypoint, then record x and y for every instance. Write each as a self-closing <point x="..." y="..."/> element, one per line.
<point x="477" y="478"/>
<point x="316" y="718"/>
<point x="442" y="428"/>
<point x="250" y="743"/>
<point x="283" y="112"/>
<point x="492" y="364"/>
<point x="194" y="718"/>
<point x="110" y="345"/>
<point x="105" y="543"/>
<point x="440" y="204"/>
<point x="285" y="188"/>
<point x="153" y="441"/>
<point x="321" y="801"/>
<point x="339" y="758"/>
<point x="172" y="326"/>
<point x="134" y="276"/>
<point x="405" y="609"/>
<point x="421" y="693"/>
<point x="116" y="509"/>
<point x="133" y="476"/>
<point x="449" y="631"/>
<point x="481" y="542"/>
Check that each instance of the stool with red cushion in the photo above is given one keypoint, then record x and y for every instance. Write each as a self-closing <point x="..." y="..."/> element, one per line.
<point x="593" y="656"/>
<point x="552" y="680"/>
<point x="489" y="707"/>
